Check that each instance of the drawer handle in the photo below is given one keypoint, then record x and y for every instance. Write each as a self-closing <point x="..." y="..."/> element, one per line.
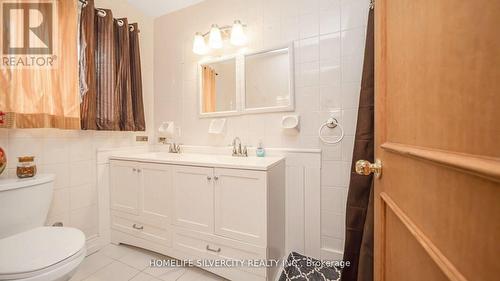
<point x="212" y="250"/>
<point x="138" y="227"/>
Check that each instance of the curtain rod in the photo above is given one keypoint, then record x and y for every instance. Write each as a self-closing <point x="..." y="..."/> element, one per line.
<point x="102" y="13"/>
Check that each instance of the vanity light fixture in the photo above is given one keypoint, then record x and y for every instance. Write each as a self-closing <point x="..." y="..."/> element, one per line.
<point x="199" y="46"/>
<point x="238" y="37"/>
<point x="235" y="33"/>
<point x="215" y="37"/>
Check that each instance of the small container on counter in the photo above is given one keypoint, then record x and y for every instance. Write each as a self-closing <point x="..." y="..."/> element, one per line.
<point x="26" y="167"/>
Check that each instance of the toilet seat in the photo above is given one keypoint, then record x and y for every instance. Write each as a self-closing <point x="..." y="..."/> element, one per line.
<point x="40" y="251"/>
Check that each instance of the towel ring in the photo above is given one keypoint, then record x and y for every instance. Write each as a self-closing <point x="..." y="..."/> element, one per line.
<point x="331" y="123"/>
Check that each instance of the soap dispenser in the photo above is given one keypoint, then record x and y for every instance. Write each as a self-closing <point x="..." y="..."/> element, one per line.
<point x="261" y="152"/>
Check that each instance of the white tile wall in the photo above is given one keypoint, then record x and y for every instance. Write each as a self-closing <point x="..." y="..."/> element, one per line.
<point x="329" y="38"/>
<point x="71" y="156"/>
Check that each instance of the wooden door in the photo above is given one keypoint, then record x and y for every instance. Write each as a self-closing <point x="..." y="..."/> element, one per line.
<point x="125" y="187"/>
<point x="156" y="193"/>
<point x="437" y="204"/>
<point x="240" y="205"/>
<point x="193" y="198"/>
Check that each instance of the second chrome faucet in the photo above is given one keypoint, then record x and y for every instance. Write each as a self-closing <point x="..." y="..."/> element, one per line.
<point x="238" y="151"/>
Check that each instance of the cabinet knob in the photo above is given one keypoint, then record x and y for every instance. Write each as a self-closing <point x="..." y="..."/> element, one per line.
<point x="209" y="178"/>
<point x="216" y="178"/>
<point x="138" y="170"/>
<point x="134" y="169"/>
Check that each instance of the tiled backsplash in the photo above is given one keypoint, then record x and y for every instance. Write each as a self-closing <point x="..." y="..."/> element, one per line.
<point x="329" y="38"/>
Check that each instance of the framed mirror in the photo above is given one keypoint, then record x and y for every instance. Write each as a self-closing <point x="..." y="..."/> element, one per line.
<point x="244" y="84"/>
<point x="219" y="88"/>
<point x="268" y="81"/>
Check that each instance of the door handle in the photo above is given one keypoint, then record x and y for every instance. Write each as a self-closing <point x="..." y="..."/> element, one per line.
<point x="138" y="227"/>
<point x="212" y="250"/>
<point x="366" y="168"/>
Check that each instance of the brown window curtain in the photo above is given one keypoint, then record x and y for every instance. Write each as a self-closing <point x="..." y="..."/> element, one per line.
<point x="358" y="247"/>
<point x="108" y="100"/>
<point x="208" y="84"/>
<point x="123" y="81"/>
<point x="48" y="96"/>
<point x="88" y="105"/>
<point x="135" y="69"/>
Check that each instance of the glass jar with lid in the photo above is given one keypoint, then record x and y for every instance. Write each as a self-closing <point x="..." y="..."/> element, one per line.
<point x="26" y="167"/>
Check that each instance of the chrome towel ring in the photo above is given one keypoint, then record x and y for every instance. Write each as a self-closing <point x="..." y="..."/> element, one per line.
<point x="331" y="123"/>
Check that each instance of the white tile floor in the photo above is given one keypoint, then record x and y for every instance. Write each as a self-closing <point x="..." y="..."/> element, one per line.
<point x="123" y="263"/>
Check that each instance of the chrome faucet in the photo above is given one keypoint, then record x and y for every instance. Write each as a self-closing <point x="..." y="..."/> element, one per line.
<point x="174" y="148"/>
<point x="238" y="151"/>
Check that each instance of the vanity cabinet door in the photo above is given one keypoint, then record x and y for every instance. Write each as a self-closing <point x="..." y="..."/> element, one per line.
<point x="125" y="187"/>
<point x="156" y="193"/>
<point x="193" y="198"/>
<point x="240" y="205"/>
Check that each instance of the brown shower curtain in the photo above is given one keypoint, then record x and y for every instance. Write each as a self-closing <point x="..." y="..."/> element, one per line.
<point x="135" y="71"/>
<point x="123" y="82"/>
<point x="108" y="100"/>
<point x="110" y="72"/>
<point x="88" y="105"/>
<point x="358" y="247"/>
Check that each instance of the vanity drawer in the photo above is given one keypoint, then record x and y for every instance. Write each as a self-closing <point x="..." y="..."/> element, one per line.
<point x="137" y="228"/>
<point x="212" y="247"/>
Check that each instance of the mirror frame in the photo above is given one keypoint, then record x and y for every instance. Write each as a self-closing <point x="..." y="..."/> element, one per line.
<point x="240" y="92"/>
<point x="291" y="84"/>
<point x="238" y="82"/>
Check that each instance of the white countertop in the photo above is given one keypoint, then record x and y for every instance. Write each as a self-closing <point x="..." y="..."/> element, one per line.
<point x="205" y="160"/>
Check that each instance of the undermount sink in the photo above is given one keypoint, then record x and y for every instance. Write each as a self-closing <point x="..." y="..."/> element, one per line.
<point x="213" y="160"/>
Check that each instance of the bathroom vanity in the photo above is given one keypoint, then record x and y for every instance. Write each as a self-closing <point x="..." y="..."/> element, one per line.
<point x="201" y="207"/>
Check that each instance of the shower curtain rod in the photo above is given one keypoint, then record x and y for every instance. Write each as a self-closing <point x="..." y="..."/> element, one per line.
<point x="102" y="13"/>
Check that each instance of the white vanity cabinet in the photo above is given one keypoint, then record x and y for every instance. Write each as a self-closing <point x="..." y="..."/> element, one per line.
<point x="240" y="198"/>
<point x="202" y="212"/>
<point x="141" y="195"/>
<point x="193" y="198"/>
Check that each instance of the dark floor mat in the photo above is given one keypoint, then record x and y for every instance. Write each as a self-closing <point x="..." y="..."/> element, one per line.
<point x="302" y="268"/>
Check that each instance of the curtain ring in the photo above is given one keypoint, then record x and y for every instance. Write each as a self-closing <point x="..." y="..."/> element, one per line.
<point x="120" y="22"/>
<point x="84" y="3"/>
<point x="101" y="13"/>
<point x="131" y="28"/>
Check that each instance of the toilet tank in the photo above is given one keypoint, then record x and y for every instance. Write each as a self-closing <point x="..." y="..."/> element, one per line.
<point x="24" y="203"/>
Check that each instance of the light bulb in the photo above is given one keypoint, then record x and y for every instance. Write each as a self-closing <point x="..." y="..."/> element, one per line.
<point x="199" y="46"/>
<point x="238" y="37"/>
<point x="215" y="37"/>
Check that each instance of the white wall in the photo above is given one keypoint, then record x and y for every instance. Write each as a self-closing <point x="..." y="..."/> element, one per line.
<point x="329" y="39"/>
<point x="71" y="155"/>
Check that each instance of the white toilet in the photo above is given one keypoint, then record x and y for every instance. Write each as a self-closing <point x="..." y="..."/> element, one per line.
<point x="28" y="250"/>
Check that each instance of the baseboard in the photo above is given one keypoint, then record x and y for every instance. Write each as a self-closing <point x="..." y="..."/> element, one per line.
<point x="94" y="244"/>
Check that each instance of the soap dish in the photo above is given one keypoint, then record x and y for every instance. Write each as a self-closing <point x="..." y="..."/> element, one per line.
<point x="290" y="122"/>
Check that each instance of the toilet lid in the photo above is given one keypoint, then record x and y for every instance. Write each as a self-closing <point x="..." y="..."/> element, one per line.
<point x="38" y="248"/>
